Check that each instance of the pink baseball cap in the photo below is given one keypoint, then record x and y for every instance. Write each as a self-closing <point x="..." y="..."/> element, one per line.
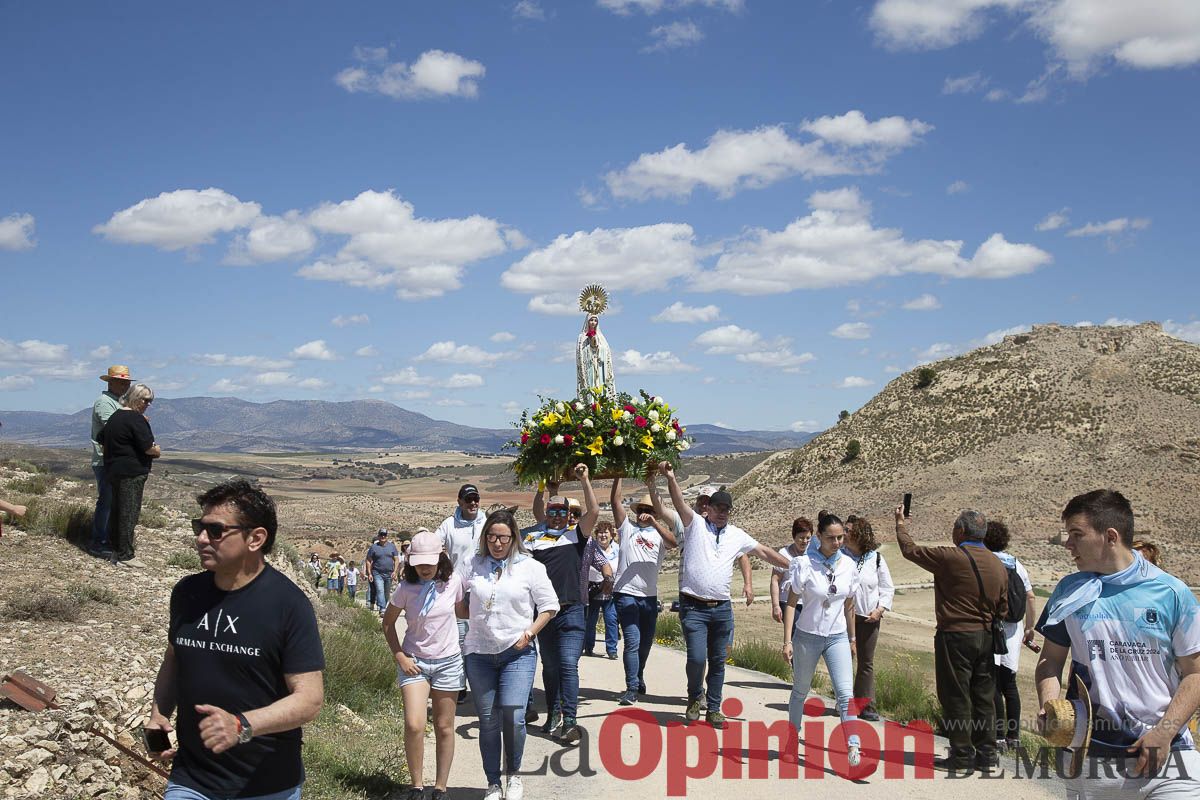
<point x="426" y="548"/>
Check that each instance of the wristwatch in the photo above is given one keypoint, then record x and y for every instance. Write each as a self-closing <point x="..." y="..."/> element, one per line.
<point x="245" y="732"/>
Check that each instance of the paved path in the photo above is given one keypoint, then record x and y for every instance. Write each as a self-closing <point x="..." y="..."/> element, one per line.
<point x="764" y="698"/>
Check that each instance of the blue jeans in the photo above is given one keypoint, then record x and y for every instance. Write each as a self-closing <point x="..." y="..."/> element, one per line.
<point x="639" y="617"/>
<point x="383" y="588"/>
<point x="561" y="644"/>
<point x="500" y="685"/>
<point x="807" y="649"/>
<point x="595" y="607"/>
<point x="177" y="792"/>
<point x="103" y="509"/>
<point x="707" y="632"/>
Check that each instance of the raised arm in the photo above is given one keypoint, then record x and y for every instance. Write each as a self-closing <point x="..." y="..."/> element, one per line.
<point x="921" y="556"/>
<point x="614" y="500"/>
<point x="681" y="507"/>
<point x="771" y="556"/>
<point x="591" y="511"/>
<point x="664" y="530"/>
<point x="539" y="501"/>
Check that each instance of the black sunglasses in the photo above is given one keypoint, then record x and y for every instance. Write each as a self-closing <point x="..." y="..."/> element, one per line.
<point x="215" y="530"/>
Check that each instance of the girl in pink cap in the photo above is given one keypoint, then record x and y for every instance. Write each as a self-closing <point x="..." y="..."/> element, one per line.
<point x="429" y="658"/>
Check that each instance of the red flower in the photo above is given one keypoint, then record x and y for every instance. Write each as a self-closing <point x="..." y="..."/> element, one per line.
<point x="524" y="438"/>
<point x="545" y="438"/>
<point x="591" y="334"/>
<point x="595" y="406"/>
<point x="568" y="439"/>
<point x="639" y="421"/>
<point x="613" y="432"/>
<point x="675" y="425"/>
<point x="630" y="409"/>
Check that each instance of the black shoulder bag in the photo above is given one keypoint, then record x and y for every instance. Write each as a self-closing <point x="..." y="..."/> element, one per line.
<point x="999" y="640"/>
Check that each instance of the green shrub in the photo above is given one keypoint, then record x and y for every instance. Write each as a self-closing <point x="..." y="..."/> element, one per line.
<point x="71" y="521"/>
<point x="185" y="559"/>
<point x="154" y="517"/>
<point x="762" y="656"/>
<point x="43" y="607"/>
<point x="925" y="377"/>
<point x="359" y="669"/>
<point x="668" y="629"/>
<point x="901" y="693"/>
<point x="289" y="552"/>
<point x="36" y="484"/>
<point x="853" y="449"/>
<point x="843" y="415"/>
<point x="21" y="464"/>
<point x="89" y="592"/>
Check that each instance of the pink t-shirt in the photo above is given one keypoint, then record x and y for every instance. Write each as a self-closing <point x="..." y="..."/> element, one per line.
<point x="434" y="634"/>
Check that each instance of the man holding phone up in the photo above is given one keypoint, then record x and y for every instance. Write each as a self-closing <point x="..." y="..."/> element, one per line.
<point x="243" y="662"/>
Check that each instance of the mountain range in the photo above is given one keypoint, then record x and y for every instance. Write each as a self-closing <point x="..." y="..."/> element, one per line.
<point x="226" y="424"/>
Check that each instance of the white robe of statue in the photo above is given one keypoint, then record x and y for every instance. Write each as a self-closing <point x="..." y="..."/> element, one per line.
<point x="593" y="361"/>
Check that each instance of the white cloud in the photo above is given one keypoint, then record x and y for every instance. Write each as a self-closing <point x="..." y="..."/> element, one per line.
<point x="16" y="232"/>
<point x="179" y="219"/>
<point x="389" y="247"/>
<point x="512" y="408"/>
<point x="965" y="84"/>
<point x="410" y="377"/>
<point x="941" y="350"/>
<point x="925" y="302"/>
<point x="463" y="381"/>
<point x="995" y="337"/>
<point x="435" y="73"/>
<point x="1113" y="226"/>
<point x="892" y="369"/>
<point x="452" y="353"/>
<point x="274" y="379"/>
<point x="1118" y="322"/>
<point x="253" y="362"/>
<point x="449" y="401"/>
<point x="529" y="9"/>
<point x="674" y="35"/>
<point x="376" y="388"/>
<point x="1054" y="220"/>
<point x="272" y="239"/>
<point x="341" y="321"/>
<point x="501" y="337"/>
<point x="1083" y="34"/>
<point x="937" y="351"/>
<point x="804" y="426"/>
<point x="103" y="351"/>
<point x="836" y="245"/>
<point x="368" y="351"/>
<point x="655" y="6"/>
<point x="852" y="330"/>
<point x="629" y="259"/>
<point x="226" y="386"/>
<point x="678" y="312"/>
<point x="958" y="187"/>
<point x="729" y="340"/>
<point x="779" y="358"/>
<point x="414" y="394"/>
<point x="315" y="350"/>
<point x="854" y="382"/>
<point x="735" y="160"/>
<point x="1188" y="331"/>
<point x="662" y="362"/>
<point x="32" y="351"/>
<point x="15" y="383"/>
<point x="313" y="383"/>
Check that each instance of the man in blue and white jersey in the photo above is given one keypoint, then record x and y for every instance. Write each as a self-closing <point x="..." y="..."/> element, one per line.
<point x="1133" y="634"/>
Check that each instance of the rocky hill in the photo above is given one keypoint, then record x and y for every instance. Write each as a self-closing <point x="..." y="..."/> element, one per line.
<point x="1014" y="430"/>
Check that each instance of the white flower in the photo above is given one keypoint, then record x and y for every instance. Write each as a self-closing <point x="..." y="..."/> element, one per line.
<point x="627" y="415"/>
<point x="658" y="401"/>
<point x="559" y="407"/>
<point x="618" y="440"/>
<point x="587" y="423"/>
<point x="558" y="439"/>
<point x="683" y="445"/>
<point x="671" y="436"/>
<point x="655" y="428"/>
<point x="578" y="406"/>
<point x="652" y="414"/>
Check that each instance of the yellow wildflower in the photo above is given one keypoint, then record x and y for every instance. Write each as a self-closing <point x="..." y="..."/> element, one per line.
<point x="617" y="413"/>
<point x="597" y="446"/>
<point x="549" y="420"/>
<point x="648" y="441"/>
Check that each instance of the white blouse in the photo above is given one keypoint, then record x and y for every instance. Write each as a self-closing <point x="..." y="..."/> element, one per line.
<point x="504" y="604"/>
<point x="875" y="587"/>
<point x="824" y="610"/>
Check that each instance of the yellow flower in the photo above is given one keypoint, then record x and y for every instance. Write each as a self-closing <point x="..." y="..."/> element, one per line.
<point x="648" y="441"/>
<point x="598" y="391"/>
<point x="596" y="447"/>
<point x="549" y="420"/>
<point x="617" y="413"/>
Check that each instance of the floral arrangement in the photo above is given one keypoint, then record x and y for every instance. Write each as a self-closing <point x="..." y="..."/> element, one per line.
<point x="615" y="438"/>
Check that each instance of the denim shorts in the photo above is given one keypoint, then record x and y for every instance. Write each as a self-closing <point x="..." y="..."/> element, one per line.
<point x="443" y="674"/>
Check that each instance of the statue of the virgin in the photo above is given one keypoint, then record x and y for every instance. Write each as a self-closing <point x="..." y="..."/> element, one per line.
<point x="593" y="357"/>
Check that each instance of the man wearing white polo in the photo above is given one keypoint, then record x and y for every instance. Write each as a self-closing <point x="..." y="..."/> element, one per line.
<point x="709" y="548"/>
<point x="459" y="533"/>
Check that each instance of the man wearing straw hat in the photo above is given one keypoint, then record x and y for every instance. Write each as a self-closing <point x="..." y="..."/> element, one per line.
<point x="1133" y="635"/>
<point x="109" y="401"/>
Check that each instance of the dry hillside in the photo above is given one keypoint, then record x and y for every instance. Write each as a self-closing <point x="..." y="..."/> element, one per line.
<point x="1014" y="430"/>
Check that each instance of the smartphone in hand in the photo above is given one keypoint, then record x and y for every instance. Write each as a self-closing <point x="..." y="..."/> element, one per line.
<point x="907" y="503"/>
<point x="156" y="740"/>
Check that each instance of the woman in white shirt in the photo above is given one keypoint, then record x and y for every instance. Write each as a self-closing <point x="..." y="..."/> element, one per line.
<point x="872" y="598"/>
<point x="509" y="600"/>
<point x="824" y="581"/>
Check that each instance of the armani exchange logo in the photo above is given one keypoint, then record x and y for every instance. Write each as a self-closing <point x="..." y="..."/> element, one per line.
<point x="222" y="625"/>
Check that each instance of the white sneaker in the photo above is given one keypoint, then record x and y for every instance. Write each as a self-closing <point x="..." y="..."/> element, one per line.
<point x="852" y="755"/>
<point x="493" y="792"/>
<point x="516" y="789"/>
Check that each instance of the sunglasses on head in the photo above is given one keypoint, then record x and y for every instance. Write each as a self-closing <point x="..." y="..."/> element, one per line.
<point x="215" y="531"/>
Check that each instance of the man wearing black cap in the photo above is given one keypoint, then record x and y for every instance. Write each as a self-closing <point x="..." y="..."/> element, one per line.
<point x="459" y="533"/>
<point x="710" y="546"/>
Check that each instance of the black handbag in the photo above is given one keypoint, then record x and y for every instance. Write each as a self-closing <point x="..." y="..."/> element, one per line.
<point x="999" y="640"/>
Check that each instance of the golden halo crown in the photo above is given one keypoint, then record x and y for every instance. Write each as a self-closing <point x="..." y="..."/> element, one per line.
<point x="593" y="299"/>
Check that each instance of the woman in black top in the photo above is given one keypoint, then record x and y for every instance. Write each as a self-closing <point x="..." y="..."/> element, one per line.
<point x="129" y="448"/>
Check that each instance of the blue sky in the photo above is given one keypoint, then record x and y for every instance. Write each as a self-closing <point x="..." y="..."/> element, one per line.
<point x="789" y="202"/>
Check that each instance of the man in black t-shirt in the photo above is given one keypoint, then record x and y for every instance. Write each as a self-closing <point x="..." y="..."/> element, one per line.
<point x="243" y="662"/>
